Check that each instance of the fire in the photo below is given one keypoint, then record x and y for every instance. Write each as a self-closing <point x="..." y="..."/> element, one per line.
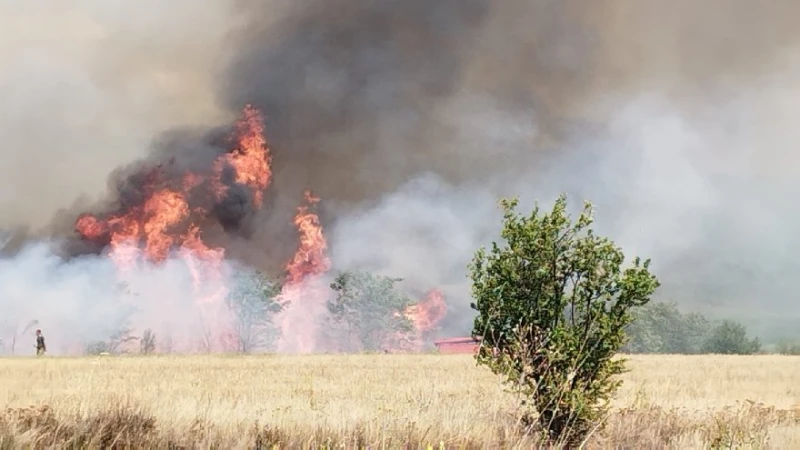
<point x="304" y="293"/>
<point x="163" y="210"/>
<point x="90" y="227"/>
<point x="250" y="160"/>
<point x="154" y="225"/>
<point x="425" y="316"/>
<point x="310" y="258"/>
<point x="164" y="221"/>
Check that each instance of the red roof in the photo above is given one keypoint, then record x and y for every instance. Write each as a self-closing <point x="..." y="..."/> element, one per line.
<point x="458" y="345"/>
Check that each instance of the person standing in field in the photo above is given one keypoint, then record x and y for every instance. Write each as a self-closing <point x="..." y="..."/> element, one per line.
<point x="40" y="347"/>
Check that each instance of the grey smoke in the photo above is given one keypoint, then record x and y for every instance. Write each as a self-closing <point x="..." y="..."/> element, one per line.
<point x="86" y="87"/>
<point x="410" y="118"/>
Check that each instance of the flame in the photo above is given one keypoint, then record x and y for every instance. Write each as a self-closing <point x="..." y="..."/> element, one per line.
<point x="152" y="224"/>
<point x="427" y="314"/>
<point x="164" y="221"/>
<point x="310" y="258"/>
<point x="425" y="317"/>
<point x="250" y="160"/>
<point x="304" y="294"/>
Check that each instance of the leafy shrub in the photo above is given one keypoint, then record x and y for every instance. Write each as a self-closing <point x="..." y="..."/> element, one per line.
<point x="553" y="304"/>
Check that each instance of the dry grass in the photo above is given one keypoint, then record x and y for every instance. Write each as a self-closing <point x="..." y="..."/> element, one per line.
<point x="377" y="401"/>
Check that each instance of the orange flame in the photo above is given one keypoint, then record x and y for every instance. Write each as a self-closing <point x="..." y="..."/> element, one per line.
<point x="303" y="293"/>
<point x="310" y="258"/>
<point x="250" y="160"/>
<point x="152" y="224"/>
<point x="164" y="222"/>
<point x="426" y="316"/>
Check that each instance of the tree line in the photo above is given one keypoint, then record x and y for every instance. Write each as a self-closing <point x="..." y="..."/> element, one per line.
<point x="661" y="328"/>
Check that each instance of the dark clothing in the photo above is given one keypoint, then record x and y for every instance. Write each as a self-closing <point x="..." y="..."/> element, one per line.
<point x="40" y="347"/>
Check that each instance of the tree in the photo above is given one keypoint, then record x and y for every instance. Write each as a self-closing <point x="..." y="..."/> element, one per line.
<point x="368" y="313"/>
<point x="695" y="328"/>
<point x="254" y="302"/>
<point x="553" y="304"/>
<point x="730" y="338"/>
<point x="660" y="327"/>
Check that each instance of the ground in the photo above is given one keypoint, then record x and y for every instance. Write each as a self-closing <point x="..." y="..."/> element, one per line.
<point x="382" y="401"/>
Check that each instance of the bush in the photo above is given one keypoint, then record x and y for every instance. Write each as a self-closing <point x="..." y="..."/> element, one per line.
<point x="730" y="338"/>
<point x="553" y="304"/>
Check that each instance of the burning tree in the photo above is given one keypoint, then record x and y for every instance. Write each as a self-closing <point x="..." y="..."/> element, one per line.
<point x="254" y="301"/>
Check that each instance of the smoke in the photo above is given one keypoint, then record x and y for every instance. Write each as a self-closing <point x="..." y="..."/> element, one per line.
<point x="86" y="87"/>
<point x="412" y="117"/>
<point x="409" y="118"/>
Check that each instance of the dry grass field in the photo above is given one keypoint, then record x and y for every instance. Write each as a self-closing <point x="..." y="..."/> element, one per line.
<point x="376" y="401"/>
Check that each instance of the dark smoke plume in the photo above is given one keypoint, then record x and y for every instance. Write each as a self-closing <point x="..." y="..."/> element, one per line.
<point x="623" y="103"/>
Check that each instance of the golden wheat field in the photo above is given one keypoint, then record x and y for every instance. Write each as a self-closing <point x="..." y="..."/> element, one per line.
<point x="377" y="401"/>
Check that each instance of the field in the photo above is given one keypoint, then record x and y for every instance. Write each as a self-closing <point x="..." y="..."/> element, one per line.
<point x="377" y="401"/>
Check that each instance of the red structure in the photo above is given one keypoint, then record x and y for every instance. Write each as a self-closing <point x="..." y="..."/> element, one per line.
<point x="458" y="345"/>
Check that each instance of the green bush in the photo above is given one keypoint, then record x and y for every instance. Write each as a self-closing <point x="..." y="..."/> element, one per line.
<point x="730" y="338"/>
<point x="553" y="304"/>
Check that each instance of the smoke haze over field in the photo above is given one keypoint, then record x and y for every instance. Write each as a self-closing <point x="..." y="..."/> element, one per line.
<point x="409" y="118"/>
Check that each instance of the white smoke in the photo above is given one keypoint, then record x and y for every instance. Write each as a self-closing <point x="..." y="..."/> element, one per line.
<point x="88" y="299"/>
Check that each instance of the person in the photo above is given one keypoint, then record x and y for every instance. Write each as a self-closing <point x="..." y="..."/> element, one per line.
<point x="40" y="347"/>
